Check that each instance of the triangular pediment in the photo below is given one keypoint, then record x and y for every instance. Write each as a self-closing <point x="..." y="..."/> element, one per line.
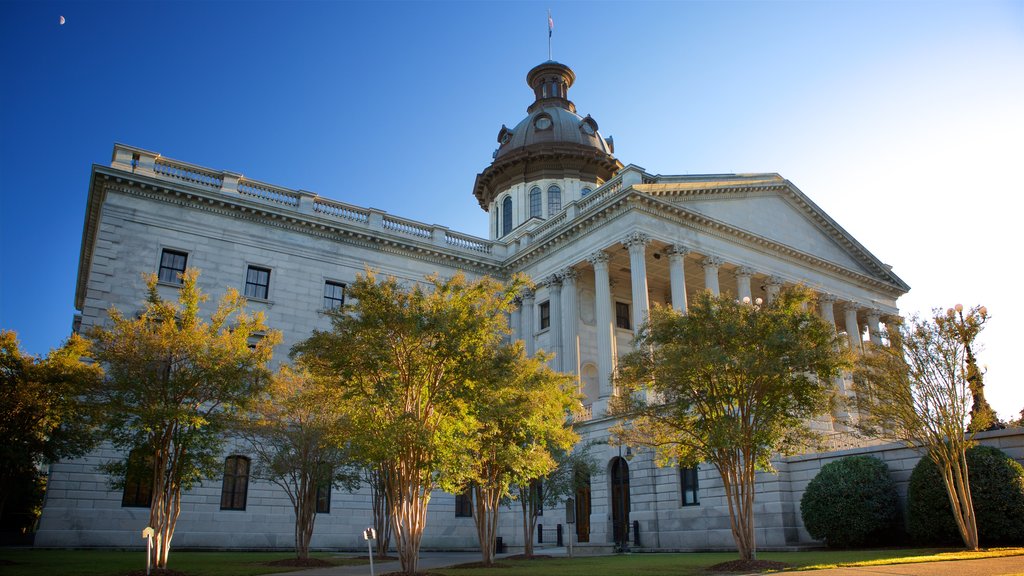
<point x="772" y="208"/>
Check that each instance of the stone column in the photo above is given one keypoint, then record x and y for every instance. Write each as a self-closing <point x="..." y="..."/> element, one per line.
<point x="570" y="323"/>
<point x="527" y="322"/>
<point x="637" y="244"/>
<point x="743" y="274"/>
<point x="711" y="264"/>
<point x="554" y="283"/>
<point x="826" y="309"/>
<point x="874" y="330"/>
<point x="677" y="275"/>
<point x="515" y="319"/>
<point x="773" y="286"/>
<point x="852" y="328"/>
<point x="603" y="322"/>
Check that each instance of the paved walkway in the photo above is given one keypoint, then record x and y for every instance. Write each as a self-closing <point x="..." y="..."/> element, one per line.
<point x="1006" y="566"/>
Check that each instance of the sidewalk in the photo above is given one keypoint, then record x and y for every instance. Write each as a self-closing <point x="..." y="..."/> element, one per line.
<point x="983" y="567"/>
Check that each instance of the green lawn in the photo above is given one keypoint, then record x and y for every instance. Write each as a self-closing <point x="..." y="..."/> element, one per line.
<point x="116" y="563"/>
<point x="696" y="563"/>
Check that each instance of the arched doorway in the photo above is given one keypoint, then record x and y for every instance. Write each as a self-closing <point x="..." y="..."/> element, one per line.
<point x="620" y="500"/>
<point x="582" y="506"/>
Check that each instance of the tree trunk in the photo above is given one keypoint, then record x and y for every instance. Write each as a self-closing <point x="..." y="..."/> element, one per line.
<point x="529" y="520"/>
<point x="381" y="522"/>
<point x="958" y="489"/>
<point x="737" y="475"/>
<point x="305" y="517"/>
<point x="486" y="519"/>
<point x="408" y="496"/>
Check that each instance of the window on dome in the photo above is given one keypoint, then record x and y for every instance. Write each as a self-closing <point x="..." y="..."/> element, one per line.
<point x="585" y="191"/>
<point x="554" y="200"/>
<point x="506" y="215"/>
<point x="535" y="203"/>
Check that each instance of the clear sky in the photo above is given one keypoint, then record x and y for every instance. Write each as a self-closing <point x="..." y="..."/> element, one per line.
<point x="903" y="120"/>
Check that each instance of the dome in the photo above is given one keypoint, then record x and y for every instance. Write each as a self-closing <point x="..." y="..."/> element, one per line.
<point x="552" y="141"/>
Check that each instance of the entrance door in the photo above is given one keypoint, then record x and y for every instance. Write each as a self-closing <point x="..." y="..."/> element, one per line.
<point x="582" y="507"/>
<point x="620" y="501"/>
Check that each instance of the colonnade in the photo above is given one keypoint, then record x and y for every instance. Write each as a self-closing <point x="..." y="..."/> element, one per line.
<point x="563" y="304"/>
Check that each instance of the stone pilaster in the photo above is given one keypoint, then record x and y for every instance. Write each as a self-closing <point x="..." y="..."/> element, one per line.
<point x="554" y="283"/>
<point x="677" y="275"/>
<point x="637" y="243"/>
<point x="570" y="323"/>
<point x="603" y="322"/>
<point x="743" y="275"/>
<point x="852" y="327"/>
<point x="711" y="265"/>
<point x="773" y="286"/>
<point x="527" y="322"/>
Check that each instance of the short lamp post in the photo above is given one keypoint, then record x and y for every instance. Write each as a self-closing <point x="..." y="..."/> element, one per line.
<point x="370" y="535"/>
<point x="147" y="535"/>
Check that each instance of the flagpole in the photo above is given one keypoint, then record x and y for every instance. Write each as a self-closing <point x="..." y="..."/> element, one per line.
<point x="551" y="28"/>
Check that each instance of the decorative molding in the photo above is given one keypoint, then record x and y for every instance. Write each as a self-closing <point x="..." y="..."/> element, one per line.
<point x="711" y="262"/>
<point x="636" y="240"/>
<point x="677" y="250"/>
<point x="743" y="272"/>
<point x="598" y="258"/>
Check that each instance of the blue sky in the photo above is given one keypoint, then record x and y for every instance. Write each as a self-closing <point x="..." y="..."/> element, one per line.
<point x="903" y="120"/>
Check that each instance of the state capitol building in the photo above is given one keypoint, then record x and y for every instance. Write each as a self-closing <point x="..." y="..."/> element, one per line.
<point x="602" y="240"/>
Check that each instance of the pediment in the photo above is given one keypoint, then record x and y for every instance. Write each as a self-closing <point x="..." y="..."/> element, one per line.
<point x="773" y="209"/>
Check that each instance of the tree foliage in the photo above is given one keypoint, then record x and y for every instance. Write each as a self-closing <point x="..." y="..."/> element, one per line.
<point x="174" y="382"/>
<point x="520" y="409"/>
<point x="730" y="383"/>
<point x="917" y="390"/>
<point x="41" y="417"/>
<point x="852" y="502"/>
<point x="997" y="487"/>
<point x="405" y="362"/>
<point x="298" y="434"/>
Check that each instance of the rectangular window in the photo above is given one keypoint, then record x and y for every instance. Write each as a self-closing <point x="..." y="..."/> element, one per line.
<point x="172" y="265"/>
<point x="545" y="315"/>
<point x="688" y="486"/>
<point x="334" y="295"/>
<point x="464" y="504"/>
<point x="235" y="488"/>
<point x="138" y="481"/>
<point x="323" y="498"/>
<point x="622" y="315"/>
<point x="257" y="283"/>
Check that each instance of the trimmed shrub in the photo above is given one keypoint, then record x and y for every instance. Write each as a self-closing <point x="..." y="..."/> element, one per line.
<point x="997" y="489"/>
<point x="852" y="502"/>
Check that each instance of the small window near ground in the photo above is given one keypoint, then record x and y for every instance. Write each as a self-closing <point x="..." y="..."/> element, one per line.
<point x="464" y="504"/>
<point x="172" y="266"/>
<point x="334" y="295"/>
<point x="545" y="315"/>
<point x="138" y="481"/>
<point x="688" y="486"/>
<point x="235" y="488"/>
<point x="622" y="315"/>
<point x="257" y="283"/>
<point x="323" y="498"/>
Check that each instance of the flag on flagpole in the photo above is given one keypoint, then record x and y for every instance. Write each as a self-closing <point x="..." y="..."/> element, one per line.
<point x="551" y="24"/>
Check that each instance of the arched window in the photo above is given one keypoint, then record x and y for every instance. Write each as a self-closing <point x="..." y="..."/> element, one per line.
<point x="506" y="215"/>
<point x="554" y="200"/>
<point x="235" y="488"/>
<point x="535" y="205"/>
<point x="585" y="191"/>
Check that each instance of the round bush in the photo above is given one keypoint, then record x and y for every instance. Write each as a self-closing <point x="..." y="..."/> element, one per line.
<point x="851" y="502"/>
<point x="997" y="490"/>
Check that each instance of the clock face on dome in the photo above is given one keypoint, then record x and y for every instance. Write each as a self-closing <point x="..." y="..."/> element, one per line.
<point x="587" y="128"/>
<point x="542" y="123"/>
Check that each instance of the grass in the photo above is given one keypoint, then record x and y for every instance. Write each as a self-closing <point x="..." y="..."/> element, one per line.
<point x="32" y="562"/>
<point x="29" y="562"/>
<point x="696" y="563"/>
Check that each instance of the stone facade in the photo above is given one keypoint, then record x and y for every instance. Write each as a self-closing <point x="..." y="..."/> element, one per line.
<point x="603" y="241"/>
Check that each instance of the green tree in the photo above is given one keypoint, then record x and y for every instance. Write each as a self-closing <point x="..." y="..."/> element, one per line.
<point x="405" y="361"/>
<point x="730" y="383"/>
<point x="297" y="433"/>
<point x="966" y="329"/>
<point x="174" y="382"/>
<point x="548" y="491"/>
<point x="41" y="418"/>
<point x="916" y="390"/>
<point x="520" y="408"/>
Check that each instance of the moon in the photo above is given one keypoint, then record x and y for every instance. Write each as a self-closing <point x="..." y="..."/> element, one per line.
<point x="61" y="20"/>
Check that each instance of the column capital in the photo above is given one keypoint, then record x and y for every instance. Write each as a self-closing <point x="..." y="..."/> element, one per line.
<point x="677" y="250"/>
<point x="598" y="258"/>
<point x="569" y="274"/>
<point x="775" y="281"/>
<point x="712" y="261"/>
<point x="826" y="298"/>
<point x="874" y="314"/>
<point x="743" y="272"/>
<point x="636" y="240"/>
<point x="552" y="280"/>
<point x="526" y="294"/>
<point x="850" y="307"/>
